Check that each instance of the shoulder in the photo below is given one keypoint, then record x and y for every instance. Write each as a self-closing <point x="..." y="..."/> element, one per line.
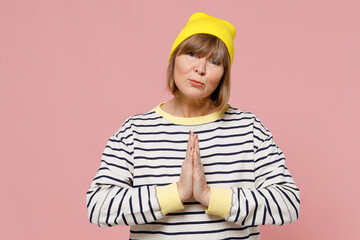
<point x="245" y="116"/>
<point x="141" y="119"/>
<point x="236" y="112"/>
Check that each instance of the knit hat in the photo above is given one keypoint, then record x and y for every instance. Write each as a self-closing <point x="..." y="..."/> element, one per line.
<point x="204" y="23"/>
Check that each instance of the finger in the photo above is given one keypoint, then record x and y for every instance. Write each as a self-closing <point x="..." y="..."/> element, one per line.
<point x="189" y="141"/>
<point x="194" y="141"/>
<point x="189" y="147"/>
<point x="195" y="163"/>
<point x="197" y="147"/>
<point x="197" y="159"/>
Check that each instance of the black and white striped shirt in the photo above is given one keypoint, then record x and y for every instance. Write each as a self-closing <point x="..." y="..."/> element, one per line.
<point x="237" y="152"/>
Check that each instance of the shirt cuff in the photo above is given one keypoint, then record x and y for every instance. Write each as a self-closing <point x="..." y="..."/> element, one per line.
<point x="220" y="202"/>
<point x="169" y="199"/>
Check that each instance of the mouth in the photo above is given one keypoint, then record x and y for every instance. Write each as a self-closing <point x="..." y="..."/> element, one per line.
<point x="196" y="83"/>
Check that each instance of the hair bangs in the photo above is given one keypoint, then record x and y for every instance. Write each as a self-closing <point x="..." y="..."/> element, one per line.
<point x="205" y="45"/>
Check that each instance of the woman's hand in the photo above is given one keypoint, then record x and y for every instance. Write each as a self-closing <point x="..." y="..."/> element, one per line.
<point x="185" y="183"/>
<point x="192" y="180"/>
<point x="201" y="191"/>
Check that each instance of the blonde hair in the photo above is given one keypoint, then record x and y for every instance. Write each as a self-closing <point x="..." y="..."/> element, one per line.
<point x="204" y="45"/>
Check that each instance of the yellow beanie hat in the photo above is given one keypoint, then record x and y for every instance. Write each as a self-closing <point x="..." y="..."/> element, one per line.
<point x="204" y="23"/>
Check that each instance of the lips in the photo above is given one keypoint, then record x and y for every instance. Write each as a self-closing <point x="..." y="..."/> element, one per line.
<point x="196" y="83"/>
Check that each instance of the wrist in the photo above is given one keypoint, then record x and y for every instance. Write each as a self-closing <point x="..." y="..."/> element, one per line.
<point x="205" y="201"/>
<point x="183" y="197"/>
<point x="179" y="192"/>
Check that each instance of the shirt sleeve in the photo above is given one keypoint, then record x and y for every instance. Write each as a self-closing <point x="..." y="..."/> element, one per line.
<point x="169" y="198"/>
<point x="112" y="199"/>
<point x="275" y="199"/>
<point x="220" y="201"/>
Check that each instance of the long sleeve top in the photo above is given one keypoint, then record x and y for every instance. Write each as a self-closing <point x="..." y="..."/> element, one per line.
<point x="250" y="183"/>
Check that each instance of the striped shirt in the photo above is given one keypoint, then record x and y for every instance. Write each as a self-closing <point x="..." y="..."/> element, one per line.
<point x="238" y="153"/>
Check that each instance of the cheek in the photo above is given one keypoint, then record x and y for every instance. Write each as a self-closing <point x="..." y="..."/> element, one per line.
<point x="216" y="76"/>
<point x="177" y="75"/>
<point x="182" y="66"/>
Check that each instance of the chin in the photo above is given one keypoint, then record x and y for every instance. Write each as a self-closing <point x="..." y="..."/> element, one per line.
<point x="197" y="97"/>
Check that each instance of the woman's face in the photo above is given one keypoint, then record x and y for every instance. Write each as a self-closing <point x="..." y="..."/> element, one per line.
<point x="196" y="77"/>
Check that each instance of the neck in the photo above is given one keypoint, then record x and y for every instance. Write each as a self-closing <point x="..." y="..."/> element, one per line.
<point x="181" y="107"/>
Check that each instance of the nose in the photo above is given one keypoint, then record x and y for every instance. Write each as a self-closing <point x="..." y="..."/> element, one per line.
<point x="200" y="66"/>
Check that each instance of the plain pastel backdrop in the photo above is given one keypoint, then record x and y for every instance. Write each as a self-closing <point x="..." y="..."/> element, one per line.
<point x="72" y="71"/>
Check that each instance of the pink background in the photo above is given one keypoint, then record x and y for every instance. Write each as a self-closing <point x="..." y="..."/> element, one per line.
<point x="72" y="71"/>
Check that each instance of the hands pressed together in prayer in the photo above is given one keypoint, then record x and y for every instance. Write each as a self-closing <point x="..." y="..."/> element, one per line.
<point x="192" y="180"/>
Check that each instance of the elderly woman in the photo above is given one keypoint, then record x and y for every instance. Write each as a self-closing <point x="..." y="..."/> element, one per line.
<point x="194" y="166"/>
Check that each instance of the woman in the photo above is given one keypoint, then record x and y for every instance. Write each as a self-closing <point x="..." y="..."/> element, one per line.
<point x="194" y="166"/>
